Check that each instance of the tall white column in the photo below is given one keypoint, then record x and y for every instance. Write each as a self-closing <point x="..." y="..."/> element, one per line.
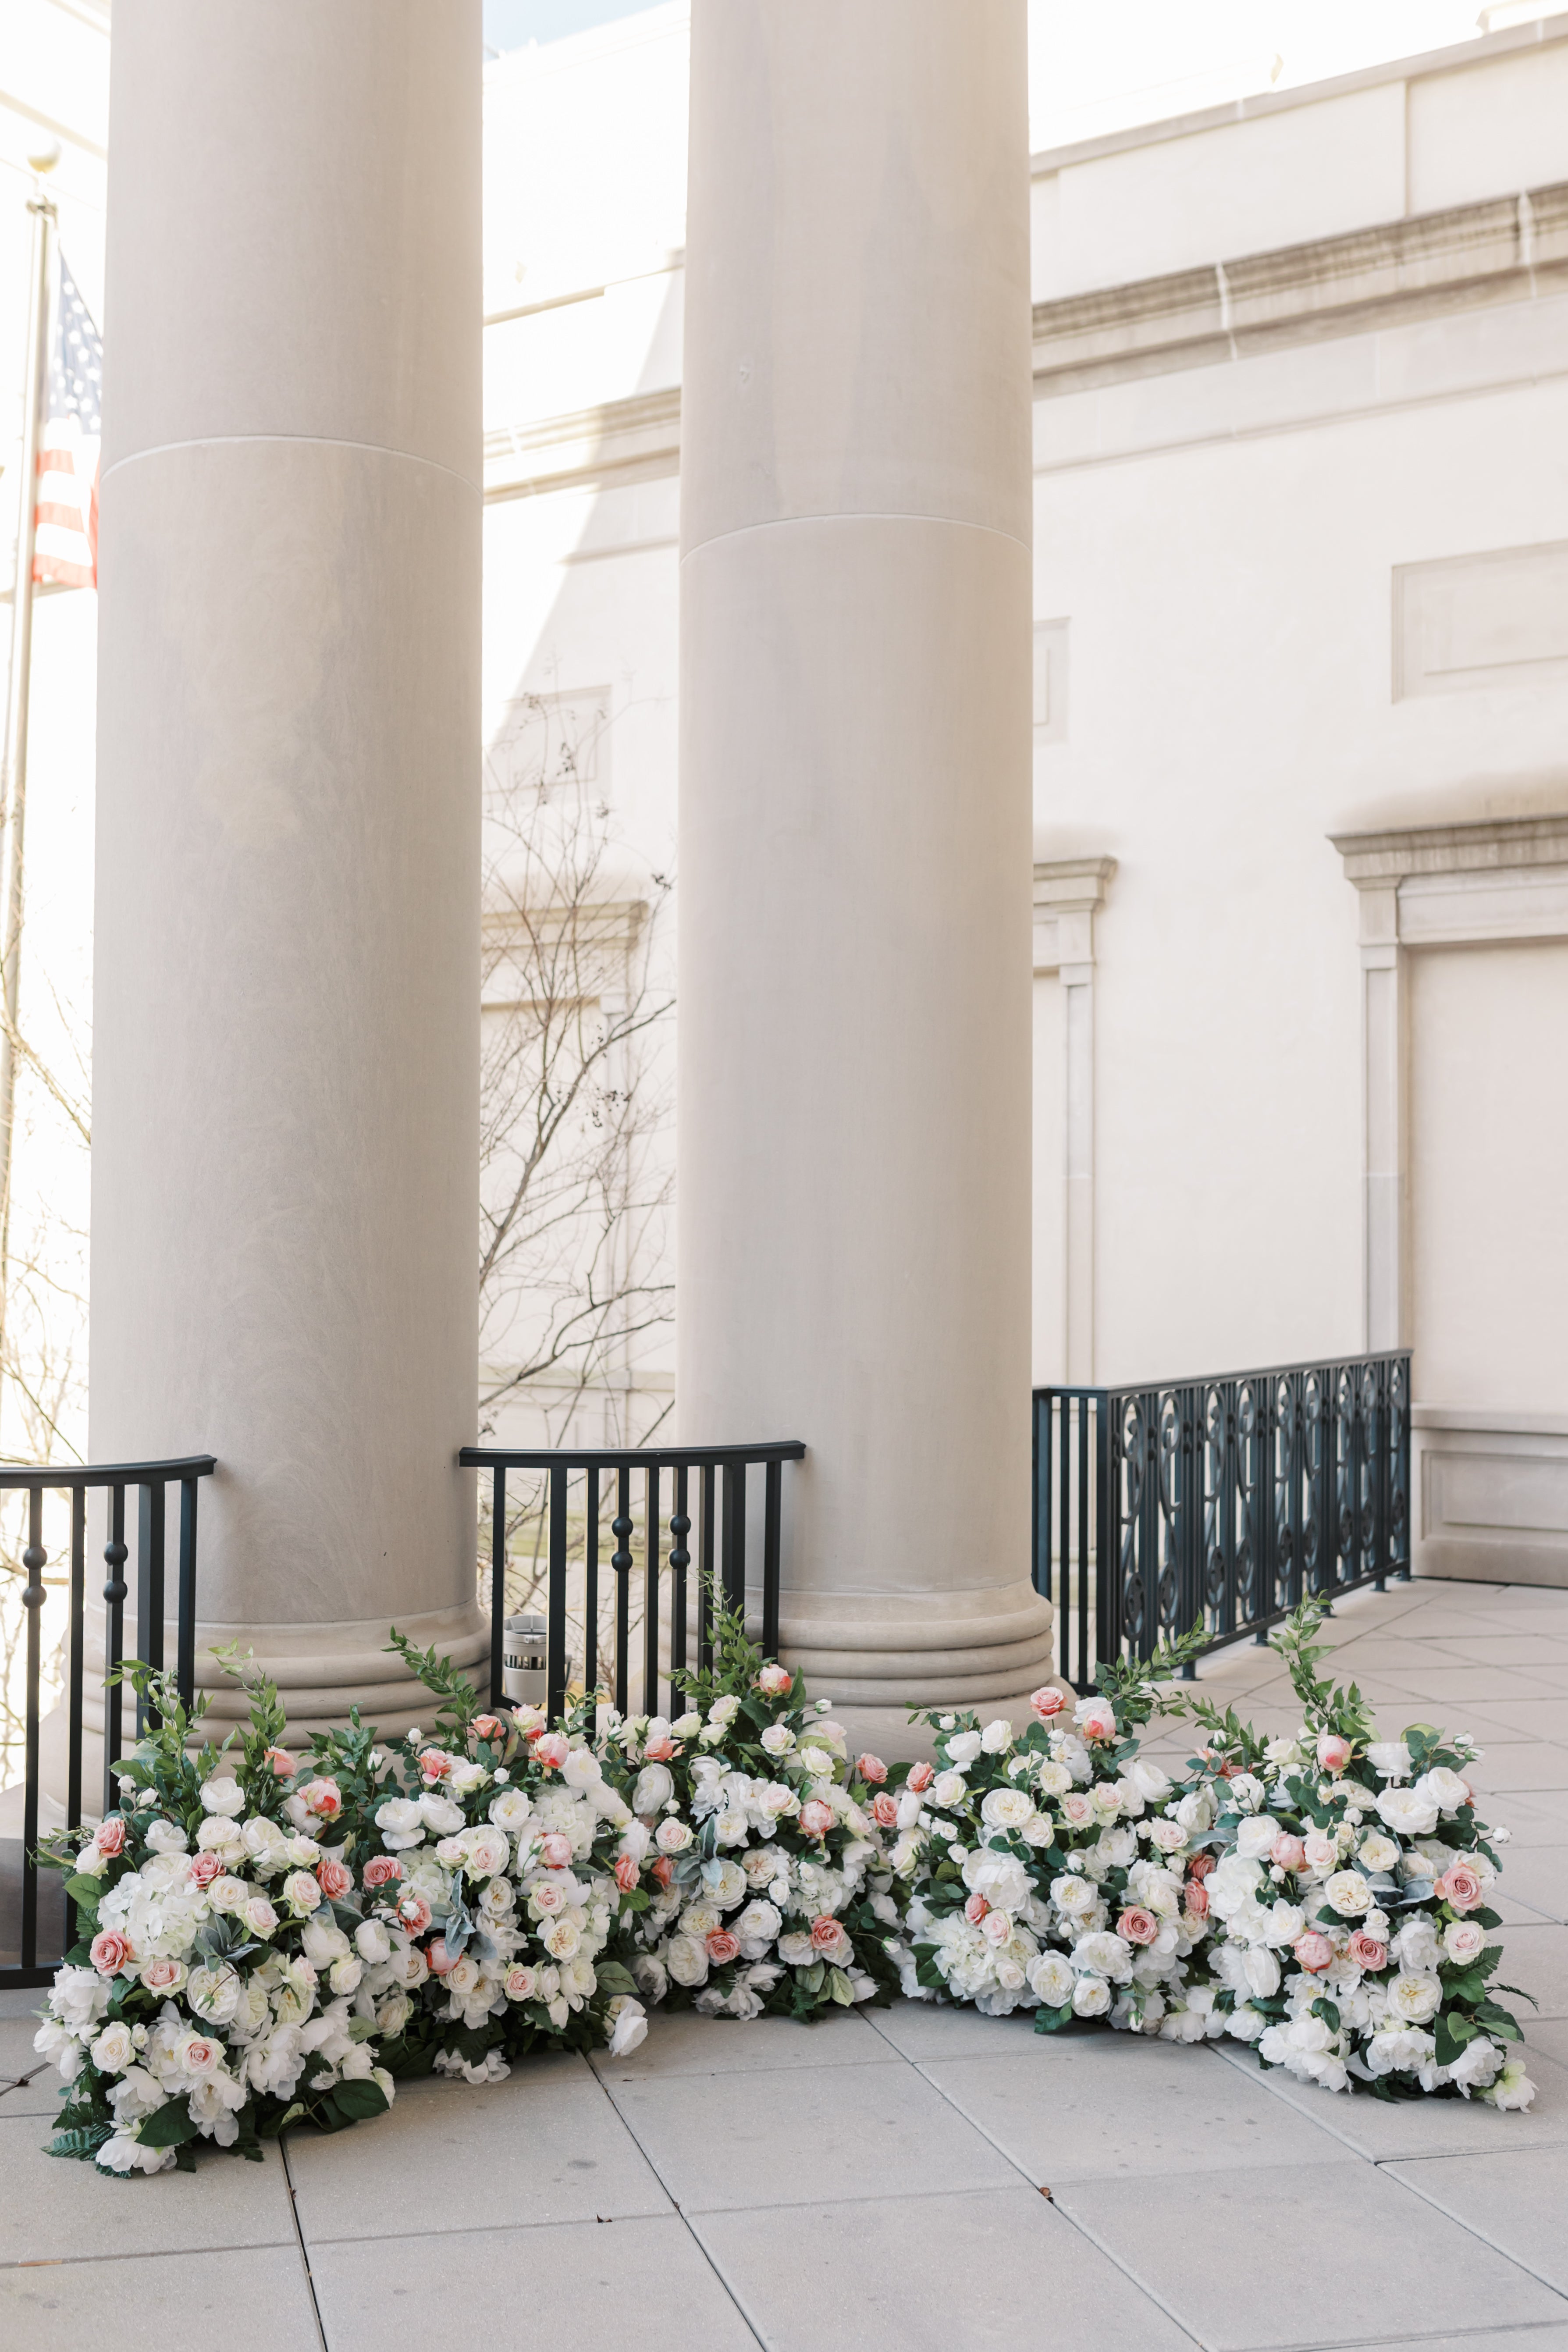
<point x="287" y="921"/>
<point x="854" y="822"/>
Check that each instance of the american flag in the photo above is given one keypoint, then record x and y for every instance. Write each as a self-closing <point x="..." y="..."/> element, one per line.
<point x="66" y="546"/>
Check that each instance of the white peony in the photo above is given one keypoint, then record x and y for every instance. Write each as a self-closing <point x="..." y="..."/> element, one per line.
<point x="439" y="1814"/>
<point x="1052" y="1979"/>
<point x="1409" y="1813"/>
<point x="166" y="1837"/>
<point x="1348" y="1893"/>
<point x="1091" y="1997"/>
<point x="1378" y="1852"/>
<point x="1389" y="1758"/>
<point x="401" y="1825"/>
<point x="1006" y="1808"/>
<point x="1414" y="2000"/>
<point x="223" y="1794"/>
<point x="1051" y="1778"/>
<point x="654" y="1789"/>
<point x="1397" y="2051"/>
<point x="1001" y="1878"/>
<point x="1255" y="1836"/>
<point x="510" y="1810"/>
<point x="1444" y="1789"/>
<point x="963" y="1747"/>
<point x="686" y="1959"/>
<point x="1152" y="1784"/>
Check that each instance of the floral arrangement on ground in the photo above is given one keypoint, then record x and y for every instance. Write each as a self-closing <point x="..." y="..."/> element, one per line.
<point x="268" y="1940"/>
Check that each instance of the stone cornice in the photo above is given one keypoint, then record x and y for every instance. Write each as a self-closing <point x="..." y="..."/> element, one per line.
<point x="1506" y="249"/>
<point x="629" y="440"/>
<point x="1374" y="860"/>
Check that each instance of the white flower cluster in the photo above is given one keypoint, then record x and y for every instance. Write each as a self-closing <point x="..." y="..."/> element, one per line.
<point x="250" y="1985"/>
<point x="1040" y="1875"/>
<point x="746" y="1849"/>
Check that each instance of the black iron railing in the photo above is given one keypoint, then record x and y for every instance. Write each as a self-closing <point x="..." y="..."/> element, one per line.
<point x="1223" y="1500"/>
<point x="151" y="1481"/>
<point x="706" y="1525"/>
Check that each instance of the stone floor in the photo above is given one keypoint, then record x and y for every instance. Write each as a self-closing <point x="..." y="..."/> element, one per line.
<point x="892" y="2181"/>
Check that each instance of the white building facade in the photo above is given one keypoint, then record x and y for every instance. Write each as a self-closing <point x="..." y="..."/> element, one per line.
<point x="1301" y="877"/>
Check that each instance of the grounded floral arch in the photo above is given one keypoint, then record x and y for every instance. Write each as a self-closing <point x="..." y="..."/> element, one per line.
<point x="266" y="1940"/>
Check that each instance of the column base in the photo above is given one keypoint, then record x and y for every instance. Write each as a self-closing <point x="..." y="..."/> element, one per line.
<point x="876" y="1655"/>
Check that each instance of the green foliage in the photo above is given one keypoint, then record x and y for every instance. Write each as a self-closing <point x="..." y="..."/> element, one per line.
<point x="1326" y="1706"/>
<point x="737" y="1663"/>
<point x="84" y="2142"/>
<point x="460" y="1702"/>
<point x="1131" y="1685"/>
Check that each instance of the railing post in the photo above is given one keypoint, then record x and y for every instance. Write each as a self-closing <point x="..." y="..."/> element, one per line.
<point x="591" y="1587"/>
<point x="150" y="1594"/>
<point x="115" y="1590"/>
<point x="773" y="1505"/>
<point x="555" y="1656"/>
<point x="33" y="1560"/>
<point x="735" y="1534"/>
<point x="705" y="1572"/>
<point x="185" y="1653"/>
<point x="498" y="1585"/>
<point x="1106" y="1533"/>
<point x="679" y="1561"/>
<point x="621" y="1564"/>
<point x="651" y="1589"/>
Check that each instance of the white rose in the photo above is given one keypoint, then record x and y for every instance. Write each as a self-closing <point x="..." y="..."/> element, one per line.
<point x="655" y="1787"/>
<point x="372" y="1943"/>
<point x="1051" y="1778"/>
<point x="1071" y="1894"/>
<point x="1464" y="1940"/>
<point x="1001" y="1878"/>
<point x="400" y="1824"/>
<point x="1414" y="2000"/>
<point x="582" y="1768"/>
<point x="1102" y="1954"/>
<point x="778" y="1739"/>
<point x="1348" y="1893"/>
<point x="220" y="1835"/>
<point x="1245" y="2023"/>
<point x="223" y="1794"/>
<point x="1285" y="1921"/>
<point x="687" y="1960"/>
<point x="963" y="1747"/>
<point x="1169" y="1836"/>
<point x="1254" y="1837"/>
<point x="1378" y="1852"/>
<point x="725" y="1883"/>
<point x="759" y="1923"/>
<point x="510" y="1810"/>
<point x="165" y="1837"/>
<point x="1398" y="2052"/>
<point x="1006" y="1808"/>
<point x="114" y="2049"/>
<point x="486" y="1850"/>
<point x="1152" y="1784"/>
<point x="439" y="1814"/>
<point x="1389" y="1758"/>
<point x="672" y="1835"/>
<point x="1050" y="1976"/>
<point x="949" y="1789"/>
<point x="1444" y="1789"/>
<point x="1091" y="1997"/>
<point x="817" y="1761"/>
<point x="301" y="1892"/>
<point x="1409" y="1813"/>
<point x="1260" y="1968"/>
<point x="995" y="1737"/>
<point x="1246" y="1792"/>
<point x="344" y="1974"/>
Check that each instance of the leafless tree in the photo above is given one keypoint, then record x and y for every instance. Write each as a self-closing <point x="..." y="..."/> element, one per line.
<point x="575" y="1179"/>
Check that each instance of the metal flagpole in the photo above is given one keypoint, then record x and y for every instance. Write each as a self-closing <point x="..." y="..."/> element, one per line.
<point x="15" y="780"/>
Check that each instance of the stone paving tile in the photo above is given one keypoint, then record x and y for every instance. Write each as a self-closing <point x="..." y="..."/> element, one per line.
<point x="576" y="2287"/>
<point x="1531" y="1820"/>
<point x="1533" y="1650"/>
<point x="1381" y="2129"/>
<point x="1321" y="2255"/>
<point x="55" y="2210"/>
<point x="802" y="2136"/>
<point x="1516" y="2201"/>
<point x="930" y="2029"/>
<point x="1522" y="1764"/>
<point x="1461" y="1691"/>
<point x="1548" y="2034"/>
<point x="245" y="2300"/>
<point x="1082" y="2112"/>
<point x="1536" y="1960"/>
<point x="544" y="2145"/>
<point x="1551" y="2338"/>
<point x="38" y="2095"/>
<point x="1526" y="1718"/>
<point x="1537" y="1876"/>
<point x="983" y="2272"/>
<point x="681" y="2043"/>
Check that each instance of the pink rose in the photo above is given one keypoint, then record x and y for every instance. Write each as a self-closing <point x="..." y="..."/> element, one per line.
<point x="488" y="1727"/>
<point x="1136" y="1925"/>
<point x="872" y="1770"/>
<point x="660" y="1750"/>
<point x="163" y="1975"/>
<point x="413" y="1914"/>
<point x="439" y="1958"/>
<point x="521" y="1983"/>
<point x="663" y="1871"/>
<point x="334" y="1878"/>
<point x="279" y="1763"/>
<point x="974" y="1910"/>
<point x="1313" y="1951"/>
<point x="382" y="1870"/>
<point x="1334" y="1753"/>
<point x="200" y="2056"/>
<point x="722" y="1947"/>
<point x="1322" y="1853"/>
<point x="555" y="1850"/>
<point x="776" y="1682"/>
<point x="996" y="1927"/>
<point x="885" y="1809"/>
<point x="1367" y="1952"/>
<point x="1287" y="1852"/>
<point x="920" y="1776"/>
<point x="1464" y="1941"/>
<point x="1096" y="1718"/>
<point x="1200" y="1865"/>
<point x="110" y="1952"/>
<point x="434" y="1763"/>
<point x="1197" y="1897"/>
<point x="1460" y="1887"/>
<point x="1048" y="1701"/>
<point x="829" y="1939"/>
<point x="626" y="1873"/>
<point x="816" y="1818"/>
<point x="323" y="1797"/>
<point x="110" y="1836"/>
<point x="205" y="1867"/>
<point x="547" y="1898"/>
<point x="552" y="1749"/>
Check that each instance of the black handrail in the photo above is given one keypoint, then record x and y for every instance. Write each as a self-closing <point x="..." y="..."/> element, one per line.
<point x="152" y="1480"/>
<point x="1225" y="1500"/>
<point x="721" y="1523"/>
